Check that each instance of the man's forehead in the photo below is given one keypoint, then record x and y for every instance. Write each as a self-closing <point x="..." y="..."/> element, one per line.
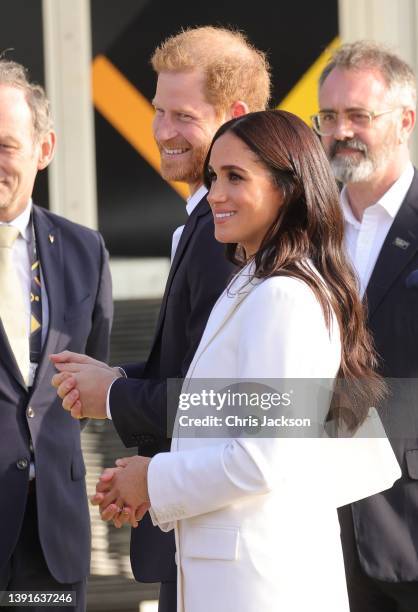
<point x="184" y="85"/>
<point x="356" y="86"/>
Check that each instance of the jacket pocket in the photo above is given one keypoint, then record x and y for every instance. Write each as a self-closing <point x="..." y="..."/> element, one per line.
<point x="411" y="457"/>
<point x="207" y="542"/>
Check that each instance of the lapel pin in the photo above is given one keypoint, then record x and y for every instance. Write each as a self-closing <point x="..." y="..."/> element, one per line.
<point x="400" y="243"/>
<point x="51" y="238"/>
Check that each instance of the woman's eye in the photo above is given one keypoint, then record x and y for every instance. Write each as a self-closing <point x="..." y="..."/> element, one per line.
<point x="234" y="178"/>
<point x="211" y="177"/>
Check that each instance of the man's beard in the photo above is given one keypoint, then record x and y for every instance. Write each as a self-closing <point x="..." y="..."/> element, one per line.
<point x="190" y="170"/>
<point x="348" y="168"/>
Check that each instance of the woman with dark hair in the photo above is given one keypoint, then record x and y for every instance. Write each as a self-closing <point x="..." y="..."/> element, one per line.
<point x="254" y="511"/>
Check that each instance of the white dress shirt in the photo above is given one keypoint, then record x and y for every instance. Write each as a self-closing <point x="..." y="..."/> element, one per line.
<point x="364" y="239"/>
<point x="192" y="202"/>
<point x="22" y="261"/>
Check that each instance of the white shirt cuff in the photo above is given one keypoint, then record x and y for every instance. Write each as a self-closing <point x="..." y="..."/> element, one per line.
<point x="108" y="413"/>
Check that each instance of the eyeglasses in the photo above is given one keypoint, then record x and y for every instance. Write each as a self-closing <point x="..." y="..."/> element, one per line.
<point x="325" y="122"/>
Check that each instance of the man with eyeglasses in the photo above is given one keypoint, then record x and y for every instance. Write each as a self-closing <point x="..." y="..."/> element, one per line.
<point x="367" y="98"/>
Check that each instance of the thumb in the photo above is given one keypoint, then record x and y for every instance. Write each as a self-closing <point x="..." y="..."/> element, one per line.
<point x="123" y="462"/>
<point x="107" y="475"/>
<point x="66" y="356"/>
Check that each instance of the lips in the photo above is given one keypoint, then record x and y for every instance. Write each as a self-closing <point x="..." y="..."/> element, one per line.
<point x="223" y="216"/>
<point x="173" y="152"/>
<point x="348" y="147"/>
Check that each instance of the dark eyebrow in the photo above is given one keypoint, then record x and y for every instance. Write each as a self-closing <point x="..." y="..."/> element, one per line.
<point x="232" y="167"/>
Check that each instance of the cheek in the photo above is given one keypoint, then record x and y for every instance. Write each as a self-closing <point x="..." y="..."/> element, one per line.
<point x="327" y="143"/>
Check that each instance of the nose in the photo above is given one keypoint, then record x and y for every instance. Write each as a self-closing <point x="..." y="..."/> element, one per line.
<point x="343" y="129"/>
<point x="216" y="194"/>
<point x="163" y="127"/>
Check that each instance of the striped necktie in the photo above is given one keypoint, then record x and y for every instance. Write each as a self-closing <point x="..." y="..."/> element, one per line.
<point x="12" y="310"/>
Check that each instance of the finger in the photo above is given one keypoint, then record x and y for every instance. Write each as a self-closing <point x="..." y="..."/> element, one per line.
<point x="57" y="379"/>
<point x="96" y="499"/>
<point x="77" y="410"/>
<point x="103" y="487"/>
<point x="67" y="385"/>
<point x="119" y="518"/>
<point x="141" y="511"/>
<point x="110" y="512"/>
<point x="108" y="474"/>
<point x="122" y="519"/>
<point x="70" y="399"/>
<point x="123" y="461"/>
<point x="69" y="367"/>
<point x="109" y="498"/>
<point x="130" y="517"/>
<point x="68" y="356"/>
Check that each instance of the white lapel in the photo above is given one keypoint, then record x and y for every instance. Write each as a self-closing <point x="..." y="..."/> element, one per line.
<point x="238" y="289"/>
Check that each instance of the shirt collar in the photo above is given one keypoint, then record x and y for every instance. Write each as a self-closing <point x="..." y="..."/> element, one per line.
<point x="22" y="222"/>
<point x="390" y="201"/>
<point x="194" y="200"/>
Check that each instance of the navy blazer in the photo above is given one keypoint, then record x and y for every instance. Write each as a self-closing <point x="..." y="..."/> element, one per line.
<point x="385" y="525"/>
<point x="198" y="275"/>
<point x="75" y="269"/>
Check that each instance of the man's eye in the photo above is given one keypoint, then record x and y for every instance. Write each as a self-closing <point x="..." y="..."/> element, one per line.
<point x="185" y="117"/>
<point x="328" y="117"/>
<point x="359" y="117"/>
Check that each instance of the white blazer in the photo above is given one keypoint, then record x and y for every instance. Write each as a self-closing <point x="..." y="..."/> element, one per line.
<point x="255" y="518"/>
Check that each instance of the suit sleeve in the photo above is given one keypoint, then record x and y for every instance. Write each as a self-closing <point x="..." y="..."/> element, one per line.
<point x="139" y="405"/>
<point x="98" y="341"/>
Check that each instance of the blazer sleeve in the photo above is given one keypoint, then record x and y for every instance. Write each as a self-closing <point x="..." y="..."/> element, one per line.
<point x="139" y="405"/>
<point x="282" y="335"/>
<point x="98" y="341"/>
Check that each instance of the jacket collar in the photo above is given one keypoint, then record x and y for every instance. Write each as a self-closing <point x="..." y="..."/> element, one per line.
<point x="400" y="246"/>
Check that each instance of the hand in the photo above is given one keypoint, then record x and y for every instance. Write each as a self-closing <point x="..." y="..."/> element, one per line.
<point x="119" y="514"/>
<point x="83" y="384"/>
<point x="122" y="492"/>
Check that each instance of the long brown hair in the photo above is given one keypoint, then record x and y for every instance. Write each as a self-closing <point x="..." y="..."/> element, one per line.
<point x="309" y="226"/>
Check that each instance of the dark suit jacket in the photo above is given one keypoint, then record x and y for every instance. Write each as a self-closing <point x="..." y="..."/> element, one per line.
<point x="386" y="525"/>
<point x="198" y="275"/>
<point x="75" y="268"/>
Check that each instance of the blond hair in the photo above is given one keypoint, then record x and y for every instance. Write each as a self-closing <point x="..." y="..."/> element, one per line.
<point x="15" y="75"/>
<point x="368" y="55"/>
<point x="233" y="68"/>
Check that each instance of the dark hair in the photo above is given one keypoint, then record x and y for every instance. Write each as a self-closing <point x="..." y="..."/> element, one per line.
<point x="309" y="226"/>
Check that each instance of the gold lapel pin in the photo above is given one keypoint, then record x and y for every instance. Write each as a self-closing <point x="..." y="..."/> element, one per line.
<point x="51" y="238"/>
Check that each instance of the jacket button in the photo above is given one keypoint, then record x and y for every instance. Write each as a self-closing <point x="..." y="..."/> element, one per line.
<point x="30" y="412"/>
<point x="22" y="464"/>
